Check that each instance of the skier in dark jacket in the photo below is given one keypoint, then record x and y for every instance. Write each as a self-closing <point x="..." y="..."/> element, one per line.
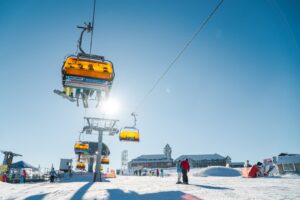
<point x="185" y="167"/>
<point x="52" y="175"/>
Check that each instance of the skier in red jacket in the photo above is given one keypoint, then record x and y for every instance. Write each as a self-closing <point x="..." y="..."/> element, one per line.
<point x="185" y="167"/>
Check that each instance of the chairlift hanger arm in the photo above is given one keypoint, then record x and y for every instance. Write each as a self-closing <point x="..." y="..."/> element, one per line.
<point x="84" y="129"/>
<point x="134" y="116"/>
<point x="88" y="28"/>
<point x="114" y="123"/>
<point x="88" y="121"/>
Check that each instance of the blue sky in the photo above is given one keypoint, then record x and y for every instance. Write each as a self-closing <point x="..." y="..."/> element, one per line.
<point x="235" y="91"/>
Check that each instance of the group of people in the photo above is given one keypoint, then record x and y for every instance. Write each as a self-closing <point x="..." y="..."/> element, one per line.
<point x="160" y="172"/>
<point x="157" y="172"/>
<point x="11" y="177"/>
<point x="137" y="172"/>
<point x="183" y="167"/>
<point x="22" y="176"/>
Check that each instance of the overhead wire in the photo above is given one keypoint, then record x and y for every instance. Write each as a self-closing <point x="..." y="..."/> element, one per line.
<point x="178" y="55"/>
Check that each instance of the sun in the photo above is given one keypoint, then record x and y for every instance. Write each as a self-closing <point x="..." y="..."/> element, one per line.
<point x="111" y="106"/>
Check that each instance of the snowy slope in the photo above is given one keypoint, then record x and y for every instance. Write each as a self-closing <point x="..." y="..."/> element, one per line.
<point x="156" y="188"/>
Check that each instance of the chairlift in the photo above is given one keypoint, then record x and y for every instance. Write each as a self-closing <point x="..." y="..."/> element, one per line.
<point x="130" y="133"/>
<point x="81" y="148"/>
<point x="105" y="160"/>
<point x="80" y="166"/>
<point x="86" y="76"/>
<point x="87" y="72"/>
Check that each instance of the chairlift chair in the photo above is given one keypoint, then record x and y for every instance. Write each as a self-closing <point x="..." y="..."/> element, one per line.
<point x="105" y="160"/>
<point x="87" y="72"/>
<point x="130" y="133"/>
<point x="84" y="75"/>
<point x="81" y="148"/>
<point x="80" y="166"/>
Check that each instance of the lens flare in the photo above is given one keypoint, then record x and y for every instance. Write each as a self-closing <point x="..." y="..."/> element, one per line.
<point x="110" y="107"/>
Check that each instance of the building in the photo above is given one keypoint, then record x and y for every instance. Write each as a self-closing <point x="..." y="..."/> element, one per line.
<point x="33" y="173"/>
<point x="153" y="160"/>
<point x="205" y="160"/>
<point x="288" y="163"/>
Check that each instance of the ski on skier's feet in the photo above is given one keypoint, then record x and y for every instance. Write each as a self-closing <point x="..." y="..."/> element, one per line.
<point x="62" y="94"/>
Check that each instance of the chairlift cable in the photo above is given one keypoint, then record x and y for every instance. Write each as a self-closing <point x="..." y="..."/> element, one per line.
<point x="178" y="56"/>
<point x="93" y="20"/>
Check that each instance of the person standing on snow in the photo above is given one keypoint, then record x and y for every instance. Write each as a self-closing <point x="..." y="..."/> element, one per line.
<point x="70" y="169"/>
<point x="179" y="171"/>
<point x="23" y="176"/>
<point x="161" y="173"/>
<point x="5" y="178"/>
<point x="52" y="175"/>
<point x="157" y="172"/>
<point x="185" y="167"/>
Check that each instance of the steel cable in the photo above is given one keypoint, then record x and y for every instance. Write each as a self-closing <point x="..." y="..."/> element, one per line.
<point x="178" y="56"/>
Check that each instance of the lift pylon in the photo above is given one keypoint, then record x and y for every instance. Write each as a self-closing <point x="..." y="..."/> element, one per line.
<point x="100" y="126"/>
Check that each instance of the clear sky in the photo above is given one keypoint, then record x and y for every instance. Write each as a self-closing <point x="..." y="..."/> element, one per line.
<point x="235" y="91"/>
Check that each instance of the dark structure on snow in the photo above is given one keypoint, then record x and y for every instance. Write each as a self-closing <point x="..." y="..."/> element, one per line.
<point x="288" y="163"/>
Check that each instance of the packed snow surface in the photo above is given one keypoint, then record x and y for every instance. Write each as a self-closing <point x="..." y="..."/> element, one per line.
<point x="157" y="188"/>
<point x="217" y="171"/>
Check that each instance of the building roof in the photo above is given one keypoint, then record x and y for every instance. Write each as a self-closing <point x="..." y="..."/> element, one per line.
<point x="201" y="157"/>
<point x="151" y="158"/>
<point x="22" y="164"/>
<point x="288" y="159"/>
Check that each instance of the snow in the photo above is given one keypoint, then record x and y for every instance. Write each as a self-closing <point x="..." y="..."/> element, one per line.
<point x="156" y="188"/>
<point x="217" y="171"/>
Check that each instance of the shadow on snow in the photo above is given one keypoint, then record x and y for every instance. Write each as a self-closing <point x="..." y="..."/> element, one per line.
<point x="212" y="187"/>
<point x="36" y="197"/>
<point x="80" y="193"/>
<point x="117" y="194"/>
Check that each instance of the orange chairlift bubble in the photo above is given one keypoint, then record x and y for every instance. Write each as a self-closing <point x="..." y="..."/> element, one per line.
<point x="86" y="76"/>
<point x="80" y="166"/>
<point x="105" y="160"/>
<point x="81" y="148"/>
<point x="87" y="72"/>
<point x="130" y="133"/>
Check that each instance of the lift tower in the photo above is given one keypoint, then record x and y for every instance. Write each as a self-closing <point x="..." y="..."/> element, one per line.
<point x="8" y="158"/>
<point x="100" y="126"/>
<point x="124" y="161"/>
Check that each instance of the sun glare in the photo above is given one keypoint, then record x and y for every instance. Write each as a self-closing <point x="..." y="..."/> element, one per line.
<point x="110" y="107"/>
